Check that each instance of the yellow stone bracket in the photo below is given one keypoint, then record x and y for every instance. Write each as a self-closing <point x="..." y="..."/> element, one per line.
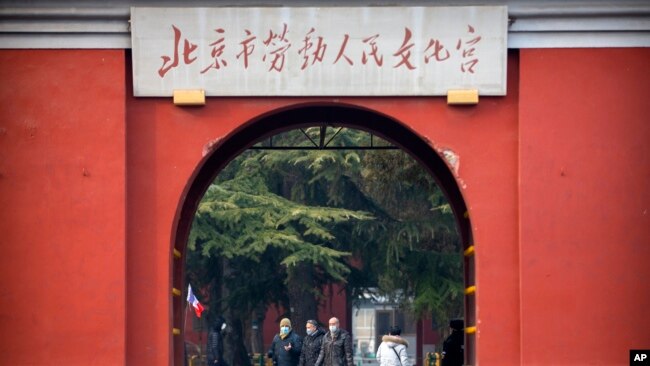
<point x="462" y="97"/>
<point x="469" y="251"/>
<point x="188" y="97"/>
<point x="470" y="290"/>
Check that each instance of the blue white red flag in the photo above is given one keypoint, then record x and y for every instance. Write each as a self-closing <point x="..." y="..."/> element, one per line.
<point x="198" y="308"/>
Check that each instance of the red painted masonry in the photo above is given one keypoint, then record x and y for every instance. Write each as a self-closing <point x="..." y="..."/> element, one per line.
<point x="554" y="176"/>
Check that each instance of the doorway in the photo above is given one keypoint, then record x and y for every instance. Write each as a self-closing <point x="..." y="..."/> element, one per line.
<point x="304" y="115"/>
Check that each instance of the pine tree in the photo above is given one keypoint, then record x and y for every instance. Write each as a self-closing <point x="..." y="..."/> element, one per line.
<point x="277" y="225"/>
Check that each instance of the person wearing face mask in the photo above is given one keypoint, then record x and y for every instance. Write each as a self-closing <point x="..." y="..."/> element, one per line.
<point x="337" y="347"/>
<point x="286" y="346"/>
<point x="311" y="344"/>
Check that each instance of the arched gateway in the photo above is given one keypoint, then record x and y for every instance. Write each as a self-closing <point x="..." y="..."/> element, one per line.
<point x="307" y="115"/>
<point x="174" y="152"/>
<point x="98" y="183"/>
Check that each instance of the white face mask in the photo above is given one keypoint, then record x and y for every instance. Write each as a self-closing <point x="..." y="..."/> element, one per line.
<point x="333" y="328"/>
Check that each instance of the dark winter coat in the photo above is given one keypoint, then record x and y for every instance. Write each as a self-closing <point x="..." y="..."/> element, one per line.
<point x="453" y="349"/>
<point x="311" y="346"/>
<point x="215" y="348"/>
<point x="336" y="350"/>
<point x="282" y="357"/>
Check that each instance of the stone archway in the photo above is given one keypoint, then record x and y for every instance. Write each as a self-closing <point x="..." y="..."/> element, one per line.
<point x="303" y="115"/>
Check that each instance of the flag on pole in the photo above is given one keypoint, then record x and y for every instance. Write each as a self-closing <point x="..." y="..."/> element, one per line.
<point x="198" y="308"/>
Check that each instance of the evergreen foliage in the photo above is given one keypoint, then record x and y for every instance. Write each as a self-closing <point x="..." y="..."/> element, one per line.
<point x="270" y="213"/>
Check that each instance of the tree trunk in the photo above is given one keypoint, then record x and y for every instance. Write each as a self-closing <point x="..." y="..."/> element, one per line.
<point x="216" y="287"/>
<point x="235" y="344"/>
<point x="234" y="348"/>
<point x="300" y="281"/>
<point x="257" y="330"/>
<point x="304" y="303"/>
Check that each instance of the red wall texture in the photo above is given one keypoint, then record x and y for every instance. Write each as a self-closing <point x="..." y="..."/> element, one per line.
<point x="554" y="176"/>
<point x="62" y="208"/>
<point x="584" y="201"/>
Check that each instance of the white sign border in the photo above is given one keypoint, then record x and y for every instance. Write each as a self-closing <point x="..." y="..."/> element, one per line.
<point x="151" y="33"/>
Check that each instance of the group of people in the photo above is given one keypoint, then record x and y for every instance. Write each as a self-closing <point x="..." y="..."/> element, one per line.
<point x="392" y="350"/>
<point x="317" y="348"/>
<point x="334" y="347"/>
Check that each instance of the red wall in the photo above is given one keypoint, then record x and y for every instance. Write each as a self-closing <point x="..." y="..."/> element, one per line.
<point x="62" y="206"/>
<point x="165" y="143"/>
<point x="554" y="176"/>
<point x="584" y="201"/>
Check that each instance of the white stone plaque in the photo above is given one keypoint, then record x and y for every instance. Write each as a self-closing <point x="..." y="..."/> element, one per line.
<point x="328" y="51"/>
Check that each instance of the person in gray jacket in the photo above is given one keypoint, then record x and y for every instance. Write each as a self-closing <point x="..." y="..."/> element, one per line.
<point x="392" y="350"/>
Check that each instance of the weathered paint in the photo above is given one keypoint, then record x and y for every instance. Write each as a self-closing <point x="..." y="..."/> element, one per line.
<point x="554" y="177"/>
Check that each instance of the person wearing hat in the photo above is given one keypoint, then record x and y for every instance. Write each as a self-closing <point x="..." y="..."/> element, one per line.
<point x="453" y="348"/>
<point x="286" y="346"/>
<point x="392" y="350"/>
<point x="311" y="344"/>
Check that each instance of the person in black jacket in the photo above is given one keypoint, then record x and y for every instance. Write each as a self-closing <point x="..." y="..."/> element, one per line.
<point x="311" y="344"/>
<point x="337" y="347"/>
<point x="215" y="343"/>
<point x="286" y="346"/>
<point x="453" y="348"/>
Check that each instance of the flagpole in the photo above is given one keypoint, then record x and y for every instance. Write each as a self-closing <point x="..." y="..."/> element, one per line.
<point x="198" y="309"/>
<point x="187" y="305"/>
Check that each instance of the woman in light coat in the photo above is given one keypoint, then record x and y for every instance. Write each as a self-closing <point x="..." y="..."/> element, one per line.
<point x="392" y="350"/>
